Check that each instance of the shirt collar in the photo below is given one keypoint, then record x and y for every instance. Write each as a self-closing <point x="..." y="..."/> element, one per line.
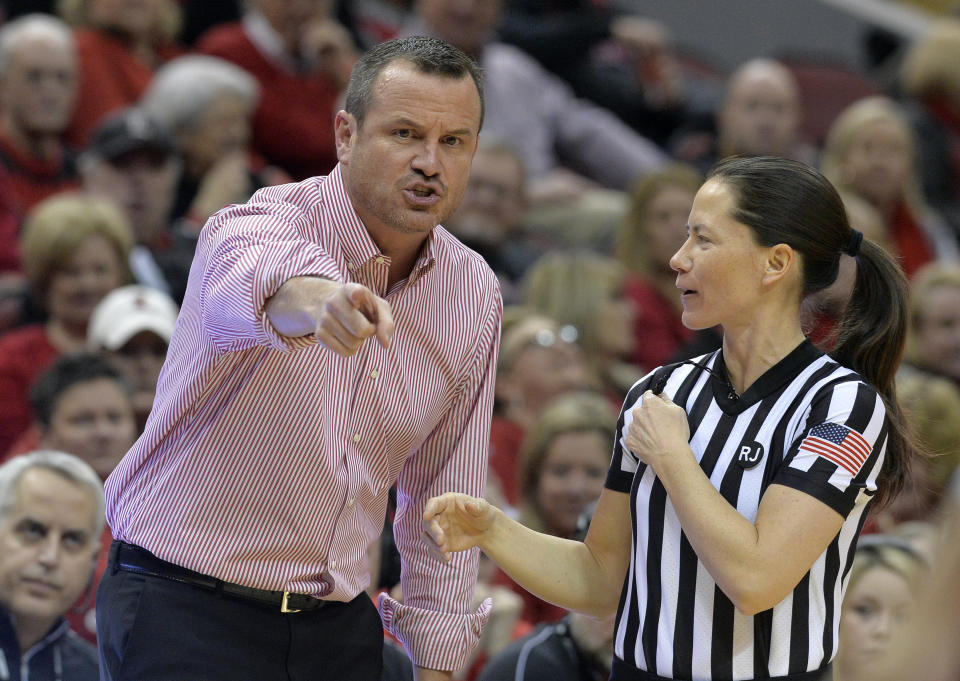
<point x="266" y="39"/>
<point x="774" y="378"/>
<point x="8" y="633"/>
<point x="427" y="258"/>
<point x="358" y="246"/>
<point x="56" y="632"/>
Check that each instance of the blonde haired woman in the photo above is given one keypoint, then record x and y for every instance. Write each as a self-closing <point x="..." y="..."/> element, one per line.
<point x="75" y="250"/>
<point x="881" y="598"/>
<point x="933" y="335"/>
<point x="650" y="233"/>
<point x="539" y="360"/>
<point x="586" y="291"/>
<point x="870" y="152"/>
<point x="562" y="467"/>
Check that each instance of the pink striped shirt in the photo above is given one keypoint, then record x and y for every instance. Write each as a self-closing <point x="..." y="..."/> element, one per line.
<point x="266" y="460"/>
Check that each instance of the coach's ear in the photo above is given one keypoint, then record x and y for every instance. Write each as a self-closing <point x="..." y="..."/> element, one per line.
<point x="344" y="132"/>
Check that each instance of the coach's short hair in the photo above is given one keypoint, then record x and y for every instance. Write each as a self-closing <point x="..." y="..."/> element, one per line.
<point x="429" y="55"/>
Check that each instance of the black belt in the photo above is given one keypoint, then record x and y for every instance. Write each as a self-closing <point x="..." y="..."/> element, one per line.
<point x="131" y="558"/>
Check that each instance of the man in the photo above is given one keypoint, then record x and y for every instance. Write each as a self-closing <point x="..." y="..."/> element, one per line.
<point x="759" y="116"/>
<point x="489" y="217"/>
<point x="578" y="157"/>
<point x="51" y="515"/>
<point x="568" y="145"/>
<point x="609" y="54"/>
<point x="131" y="163"/>
<point x="38" y="86"/>
<point x="281" y="423"/>
<point x="83" y="406"/>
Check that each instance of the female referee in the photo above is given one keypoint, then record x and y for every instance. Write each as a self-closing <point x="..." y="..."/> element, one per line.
<point x="739" y="481"/>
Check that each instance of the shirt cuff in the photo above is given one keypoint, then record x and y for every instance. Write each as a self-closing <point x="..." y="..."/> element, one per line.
<point x="277" y="341"/>
<point x="267" y="333"/>
<point x="435" y="640"/>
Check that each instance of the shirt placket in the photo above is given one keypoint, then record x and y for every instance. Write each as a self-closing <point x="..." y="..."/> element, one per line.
<point x="364" y="406"/>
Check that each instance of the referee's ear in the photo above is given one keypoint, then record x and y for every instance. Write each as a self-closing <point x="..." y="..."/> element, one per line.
<point x="781" y="262"/>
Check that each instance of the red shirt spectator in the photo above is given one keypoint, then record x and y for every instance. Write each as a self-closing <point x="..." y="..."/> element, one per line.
<point x="24" y="355"/>
<point x="75" y="251"/>
<point x="112" y="77"/>
<point x="293" y="122"/>
<point x="659" y="331"/>
<point x="37" y="93"/>
<point x="505" y="440"/>
<point x="26" y="180"/>
<point x="910" y="240"/>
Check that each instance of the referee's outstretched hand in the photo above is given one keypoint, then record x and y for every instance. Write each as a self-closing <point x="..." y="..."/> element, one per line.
<point x="456" y="522"/>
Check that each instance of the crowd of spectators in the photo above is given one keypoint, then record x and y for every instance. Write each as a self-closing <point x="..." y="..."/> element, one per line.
<point x="125" y="124"/>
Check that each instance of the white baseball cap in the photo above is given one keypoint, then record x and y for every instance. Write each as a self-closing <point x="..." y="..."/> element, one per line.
<point x="128" y="310"/>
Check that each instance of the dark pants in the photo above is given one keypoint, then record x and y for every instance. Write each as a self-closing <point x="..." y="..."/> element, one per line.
<point x="154" y="629"/>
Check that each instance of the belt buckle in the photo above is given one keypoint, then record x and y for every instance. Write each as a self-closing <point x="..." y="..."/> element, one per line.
<point x="283" y="604"/>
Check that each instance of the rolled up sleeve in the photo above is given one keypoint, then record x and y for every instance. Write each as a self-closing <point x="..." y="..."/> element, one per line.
<point x="246" y="253"/>
<point x="435" y="640"/>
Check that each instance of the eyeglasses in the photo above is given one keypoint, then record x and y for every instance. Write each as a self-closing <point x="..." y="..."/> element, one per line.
<point x="514" y="345"/>
<point x="546" y="338"/>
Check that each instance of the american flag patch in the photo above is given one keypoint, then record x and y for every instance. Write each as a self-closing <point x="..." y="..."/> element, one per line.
<point x="845" y="447"/>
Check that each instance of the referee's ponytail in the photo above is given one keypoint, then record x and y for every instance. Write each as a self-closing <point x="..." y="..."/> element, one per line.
<point x="870" y="340"/>
<point x="785" y="201"/>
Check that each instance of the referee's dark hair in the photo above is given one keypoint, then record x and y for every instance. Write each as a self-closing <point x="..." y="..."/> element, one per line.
<point x="788" y="202"/>
<point x="429" y="55"/>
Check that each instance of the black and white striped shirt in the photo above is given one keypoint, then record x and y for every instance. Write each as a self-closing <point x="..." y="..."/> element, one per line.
<point x="674" y="621"/>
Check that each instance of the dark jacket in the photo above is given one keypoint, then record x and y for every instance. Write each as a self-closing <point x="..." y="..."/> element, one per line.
<point x="61" y="655"/>
<point x="549" y="653"/>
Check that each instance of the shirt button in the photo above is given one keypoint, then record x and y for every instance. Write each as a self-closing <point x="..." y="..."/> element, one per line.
<point x="374" y="373"/>
<point x="351" y="266"/>
<point x="356" y="438"/>
<point x="380" y="260"/>
<point x="350" y="503"/>
<point x="333" y="565"/>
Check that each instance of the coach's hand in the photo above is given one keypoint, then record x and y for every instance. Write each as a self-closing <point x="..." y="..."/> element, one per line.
<point x="341" y="316"/>
<point x="349" y="315"/>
